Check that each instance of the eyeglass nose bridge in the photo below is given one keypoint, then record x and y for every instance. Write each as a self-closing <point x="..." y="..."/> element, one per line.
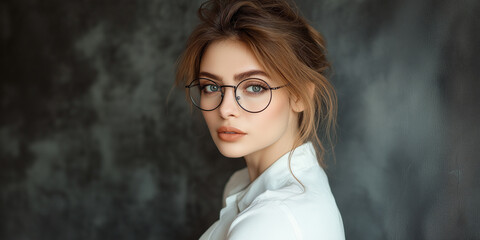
<point x="234" y="91"/>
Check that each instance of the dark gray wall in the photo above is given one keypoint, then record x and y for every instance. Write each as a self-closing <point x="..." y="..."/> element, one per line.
<point x="91" y="148"/>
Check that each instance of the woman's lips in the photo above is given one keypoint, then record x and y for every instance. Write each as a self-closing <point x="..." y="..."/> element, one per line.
<point x="229" y="134"/>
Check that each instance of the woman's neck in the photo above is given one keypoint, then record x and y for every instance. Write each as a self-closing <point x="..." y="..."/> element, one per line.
<point x="259" y="161"/>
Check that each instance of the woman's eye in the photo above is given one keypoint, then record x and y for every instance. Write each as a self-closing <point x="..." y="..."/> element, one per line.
<point x="255" y="88"/>
<point x="211" y="88"/>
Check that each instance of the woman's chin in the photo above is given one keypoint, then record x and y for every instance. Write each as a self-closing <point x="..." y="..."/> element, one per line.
<point x="231" y="154"/>
<point x="231" y="151"/>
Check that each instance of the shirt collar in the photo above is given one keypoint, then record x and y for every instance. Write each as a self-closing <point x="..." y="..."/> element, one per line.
<point x="278" y="174"/>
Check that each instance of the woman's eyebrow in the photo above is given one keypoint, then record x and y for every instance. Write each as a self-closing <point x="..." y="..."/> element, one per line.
<point x="244" y="75"/>
<point x="210" y="75"/>
<point x="237" y="77"/>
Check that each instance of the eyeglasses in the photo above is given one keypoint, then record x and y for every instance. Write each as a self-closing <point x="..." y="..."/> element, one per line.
<point x="252" y="95"/>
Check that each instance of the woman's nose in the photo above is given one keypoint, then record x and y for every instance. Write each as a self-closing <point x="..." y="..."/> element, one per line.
<point x="229" y="107"/>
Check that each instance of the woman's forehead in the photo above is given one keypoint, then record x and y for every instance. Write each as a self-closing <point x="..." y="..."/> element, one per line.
<point x="233" y="59"/>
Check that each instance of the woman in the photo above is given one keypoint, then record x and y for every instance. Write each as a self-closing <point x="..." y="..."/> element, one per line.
<point x="257" y="71"/>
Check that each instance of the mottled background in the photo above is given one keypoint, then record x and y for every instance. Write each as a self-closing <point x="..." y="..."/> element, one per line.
<point x="95" y="144"/>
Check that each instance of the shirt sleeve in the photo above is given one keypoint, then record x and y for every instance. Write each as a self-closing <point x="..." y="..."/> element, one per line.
<point x="265" y="221"/>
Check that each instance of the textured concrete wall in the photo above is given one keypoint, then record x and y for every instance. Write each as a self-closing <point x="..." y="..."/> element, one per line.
<point x="94" y="144"/>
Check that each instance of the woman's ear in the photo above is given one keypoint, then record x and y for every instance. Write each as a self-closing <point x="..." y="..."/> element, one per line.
<point x="298" y="105"/>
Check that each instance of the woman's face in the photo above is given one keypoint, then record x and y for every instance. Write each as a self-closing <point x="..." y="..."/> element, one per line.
<point x="236" y="132"/>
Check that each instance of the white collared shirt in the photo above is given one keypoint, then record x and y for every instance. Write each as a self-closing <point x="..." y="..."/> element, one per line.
<point x="277" y="206"/>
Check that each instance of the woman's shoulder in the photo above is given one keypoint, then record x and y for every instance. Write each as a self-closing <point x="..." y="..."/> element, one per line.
<point x="296" y="211"/>
<point x="269" y="217"/>
<point x="307" y="201"/>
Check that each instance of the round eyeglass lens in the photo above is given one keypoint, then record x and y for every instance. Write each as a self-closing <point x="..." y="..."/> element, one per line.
<point x="205" y="94"/>
<point x="253" y="95"/>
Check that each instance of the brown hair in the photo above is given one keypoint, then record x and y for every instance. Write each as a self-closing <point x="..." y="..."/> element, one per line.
<point x="286" y="46"/>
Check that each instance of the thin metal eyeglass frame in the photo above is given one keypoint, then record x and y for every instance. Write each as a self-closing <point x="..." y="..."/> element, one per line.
<point x="235" y="93"/>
